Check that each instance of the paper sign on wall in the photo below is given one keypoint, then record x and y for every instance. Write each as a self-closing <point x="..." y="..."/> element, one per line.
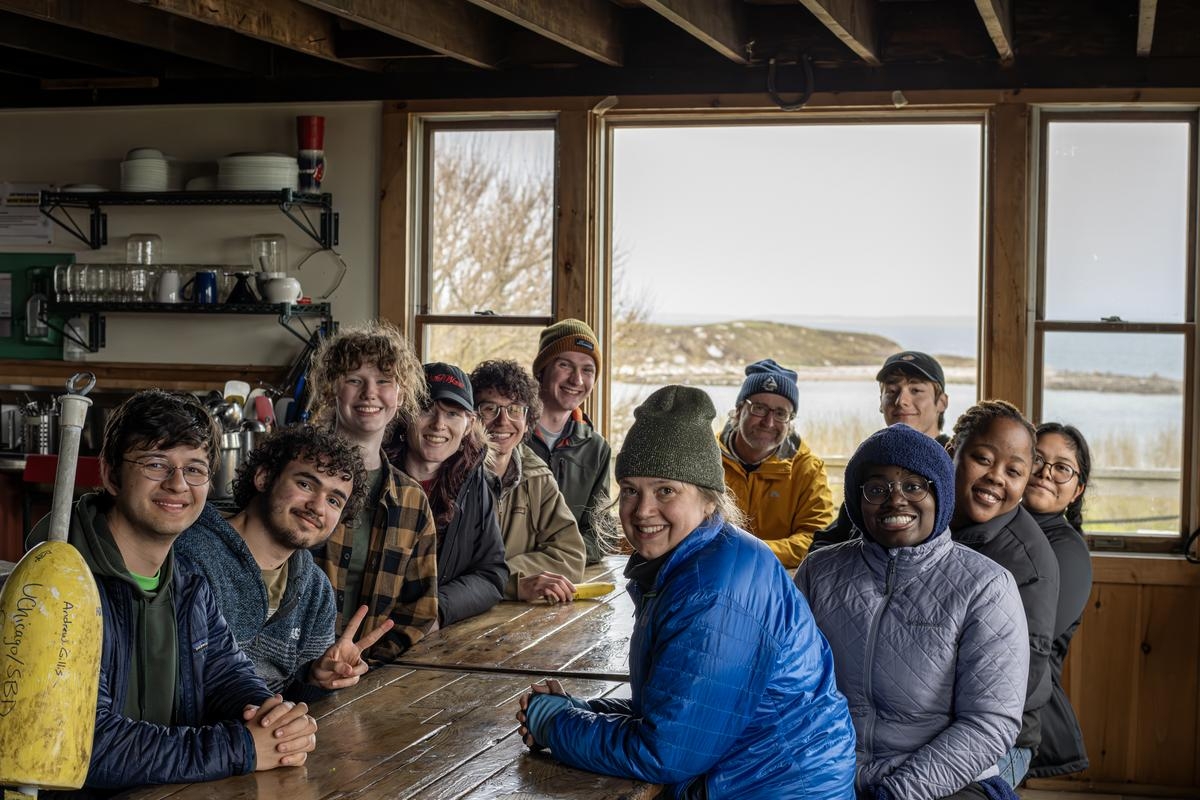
<point x="21" y="223"/>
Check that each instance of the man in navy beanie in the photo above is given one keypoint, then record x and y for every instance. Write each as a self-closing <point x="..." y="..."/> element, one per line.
<point x="778" y="482"/>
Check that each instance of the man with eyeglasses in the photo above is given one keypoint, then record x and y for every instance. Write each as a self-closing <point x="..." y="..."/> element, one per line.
<point x="291" y="492"/>
<point x="566" y="367"/>
<point x="178" y="701"/>
<point x="542" y="544"/>
<point x="778" y="482"/>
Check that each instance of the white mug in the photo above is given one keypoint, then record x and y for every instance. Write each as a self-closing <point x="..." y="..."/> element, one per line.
<point x="167" y="290"/>
<point x="282" y="290"/>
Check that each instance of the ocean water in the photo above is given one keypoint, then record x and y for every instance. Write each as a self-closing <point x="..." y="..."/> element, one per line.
<point x="1123" y="354"/>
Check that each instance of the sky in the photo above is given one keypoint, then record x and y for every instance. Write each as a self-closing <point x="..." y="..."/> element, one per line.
<point x="800" y="220"/>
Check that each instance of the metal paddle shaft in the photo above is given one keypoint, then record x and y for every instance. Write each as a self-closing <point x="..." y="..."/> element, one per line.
<point x="72" y="412"/>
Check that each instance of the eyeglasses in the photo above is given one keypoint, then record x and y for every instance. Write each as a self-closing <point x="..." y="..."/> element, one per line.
<point x="912" y="489"/>
<point x="1060" y="472"/>
<point x="760" y="410"/>
<point x="514" y="411"/>
<point x="158" y="471"/>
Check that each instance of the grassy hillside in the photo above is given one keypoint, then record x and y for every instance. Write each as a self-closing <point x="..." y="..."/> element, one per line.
<point x="718" y="352"/>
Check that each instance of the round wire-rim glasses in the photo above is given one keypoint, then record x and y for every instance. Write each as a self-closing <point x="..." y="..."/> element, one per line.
<point x="159" y="471"/>
<point x="488" y="411"/>
<point x="911" y="489"/>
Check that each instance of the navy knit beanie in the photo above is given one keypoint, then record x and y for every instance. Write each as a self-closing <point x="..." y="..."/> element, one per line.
<point x="768" y="377"/>
<point x="902" y="446"/>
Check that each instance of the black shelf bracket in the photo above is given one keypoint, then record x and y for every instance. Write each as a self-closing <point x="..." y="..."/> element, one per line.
<point x="290" y="316"/>
<point x="57" y="205"/>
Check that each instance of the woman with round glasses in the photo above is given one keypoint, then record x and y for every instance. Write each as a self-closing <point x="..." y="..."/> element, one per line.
<point x="443" y="448"/>
<point x="542" y="543"/>
<point x="1062" y="464"/>
<point x="928" y="636"/>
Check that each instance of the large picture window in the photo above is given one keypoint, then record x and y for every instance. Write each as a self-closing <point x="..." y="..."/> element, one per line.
<point x="827" y="246"/>
<point x="1115" y="324"/>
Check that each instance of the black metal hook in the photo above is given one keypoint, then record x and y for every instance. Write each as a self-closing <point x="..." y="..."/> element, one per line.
<point x="799" y="103"/>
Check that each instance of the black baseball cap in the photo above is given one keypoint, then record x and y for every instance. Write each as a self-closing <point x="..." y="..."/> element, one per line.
<point x="448" y="382"/>
<point x="915" y="363"/>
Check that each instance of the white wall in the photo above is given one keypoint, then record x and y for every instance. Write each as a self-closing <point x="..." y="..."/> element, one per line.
<point x="63" y="146"/>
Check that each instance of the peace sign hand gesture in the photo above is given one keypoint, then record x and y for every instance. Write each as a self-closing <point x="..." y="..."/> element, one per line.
<point x="342" y="664"/>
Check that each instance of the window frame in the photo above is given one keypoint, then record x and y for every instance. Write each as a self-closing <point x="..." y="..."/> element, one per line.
<point x="1189" y="498"/>
<point x="424" y="128"/>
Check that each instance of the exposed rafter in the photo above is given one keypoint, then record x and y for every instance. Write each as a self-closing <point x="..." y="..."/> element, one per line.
<point x="454" y="28"/>
<point x="279" y="22"/>
<point x="720" y="24"/>
<point x="129" y="23"/>
<point x="997" y="18"/>
<point x="852" y="21"/>
<point x="586" y="26"/>
<point x="1147" y="9"/>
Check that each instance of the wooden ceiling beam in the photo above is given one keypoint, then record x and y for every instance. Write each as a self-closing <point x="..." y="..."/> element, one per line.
<point x="852" y="21"/>
<point x="585" y="26"/>
<point x="125" y="22"/>
<point x="283" y="23"/>
<point x="1147" y="10"/>
<point x="454" y="28"/>
<point x="35" y="36"/>
<point x="997" y="18"/>
<point x="720" y="24"/>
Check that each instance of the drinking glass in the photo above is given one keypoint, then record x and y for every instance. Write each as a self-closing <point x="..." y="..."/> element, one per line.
<point x="62" y="283"/>
<point x="144" y="248"/>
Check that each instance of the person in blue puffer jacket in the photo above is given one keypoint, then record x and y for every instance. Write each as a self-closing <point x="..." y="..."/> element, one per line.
<point x="928" y="635"/>
<point x="733" y="686"/>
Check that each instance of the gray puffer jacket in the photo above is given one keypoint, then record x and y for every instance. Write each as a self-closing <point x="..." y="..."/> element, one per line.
<point x="932" y="653"/>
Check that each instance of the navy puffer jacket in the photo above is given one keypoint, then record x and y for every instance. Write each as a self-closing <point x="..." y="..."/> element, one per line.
<point x="732" y="684"/>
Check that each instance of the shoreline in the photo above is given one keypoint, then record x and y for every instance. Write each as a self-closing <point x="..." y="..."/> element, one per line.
<point x="1062" y="380"/>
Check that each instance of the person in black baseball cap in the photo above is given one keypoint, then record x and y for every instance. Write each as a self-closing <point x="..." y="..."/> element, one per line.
<point x="912" y="390"/>
<point x="443" y="448"/>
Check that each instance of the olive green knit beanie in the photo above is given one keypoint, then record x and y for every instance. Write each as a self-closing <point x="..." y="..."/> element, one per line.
<point x="566" y="336"/>
<point x="672" y="437"/>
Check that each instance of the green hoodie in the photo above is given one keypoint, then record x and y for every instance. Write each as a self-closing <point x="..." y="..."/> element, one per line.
<point x="154" y="666"/>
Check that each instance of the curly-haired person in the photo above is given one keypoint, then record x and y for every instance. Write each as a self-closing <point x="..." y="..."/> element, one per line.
<point x="366" y="380"/>
<point x="292" y="491"/>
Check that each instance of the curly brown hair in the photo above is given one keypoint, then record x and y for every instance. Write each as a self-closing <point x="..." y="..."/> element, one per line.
<point x="158" y="420"/>
<point x="514" y="382"/>
<point x="328" y="453"/>
<point x="979" y="418"/>
<point x="379" y="343"/>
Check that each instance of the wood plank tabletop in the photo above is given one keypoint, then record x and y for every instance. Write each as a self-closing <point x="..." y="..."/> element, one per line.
<point x="406" y="733"/>
<point x="585" y="639"/>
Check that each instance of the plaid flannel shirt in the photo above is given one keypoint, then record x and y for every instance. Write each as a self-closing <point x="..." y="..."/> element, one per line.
<point x="400" y="574"/>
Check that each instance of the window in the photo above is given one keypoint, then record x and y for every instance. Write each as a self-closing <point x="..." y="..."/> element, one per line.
<point x="485" y="287"/>
<point x="827" y="246"/>
<point x="1115" y="324"/>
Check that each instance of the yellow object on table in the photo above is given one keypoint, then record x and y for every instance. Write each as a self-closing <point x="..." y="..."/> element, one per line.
<point x="590" y="591"/>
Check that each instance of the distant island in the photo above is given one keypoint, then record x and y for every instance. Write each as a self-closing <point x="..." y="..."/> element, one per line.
<point x="716" y="354"/>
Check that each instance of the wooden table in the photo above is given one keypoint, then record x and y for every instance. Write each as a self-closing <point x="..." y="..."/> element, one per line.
<point x="585" y="639"/>
<point x="421" y="730"/>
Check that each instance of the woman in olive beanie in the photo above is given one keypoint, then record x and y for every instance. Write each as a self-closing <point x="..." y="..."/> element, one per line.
<point x="733" y="685"/>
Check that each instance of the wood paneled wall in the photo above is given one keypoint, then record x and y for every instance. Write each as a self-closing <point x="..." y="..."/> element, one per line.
<point x="1133" y="680"/>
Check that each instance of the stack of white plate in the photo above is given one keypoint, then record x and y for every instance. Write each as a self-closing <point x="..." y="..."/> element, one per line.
<point x="144" y="170"/>
<point x="257" y="172"/>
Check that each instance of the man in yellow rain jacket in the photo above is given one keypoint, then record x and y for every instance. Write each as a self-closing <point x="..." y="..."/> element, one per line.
<point x="778" y="481"/>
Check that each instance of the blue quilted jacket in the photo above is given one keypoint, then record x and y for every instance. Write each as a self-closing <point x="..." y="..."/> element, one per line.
<point x="932" y="655"/>
<point x="732" y="684"/>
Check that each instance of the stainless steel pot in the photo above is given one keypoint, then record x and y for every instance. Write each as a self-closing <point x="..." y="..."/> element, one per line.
<point x="41" y="432"/>
<point x="227" y="466"/>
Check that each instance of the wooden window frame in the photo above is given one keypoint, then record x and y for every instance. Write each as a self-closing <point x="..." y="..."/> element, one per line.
<point x="1189" y="507"/>
<point x="424" y="128"/>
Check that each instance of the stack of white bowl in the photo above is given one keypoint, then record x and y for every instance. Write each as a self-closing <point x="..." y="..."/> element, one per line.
<point x="144" y="170"/>
<point x="257" y="172"/>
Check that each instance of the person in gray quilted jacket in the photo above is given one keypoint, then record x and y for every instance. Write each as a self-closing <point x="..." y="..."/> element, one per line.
<point x="929" y="637"/>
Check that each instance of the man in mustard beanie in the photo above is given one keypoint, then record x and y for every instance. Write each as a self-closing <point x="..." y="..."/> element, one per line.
<point x="566" y="366"/>
<point x="779" y="483"/>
